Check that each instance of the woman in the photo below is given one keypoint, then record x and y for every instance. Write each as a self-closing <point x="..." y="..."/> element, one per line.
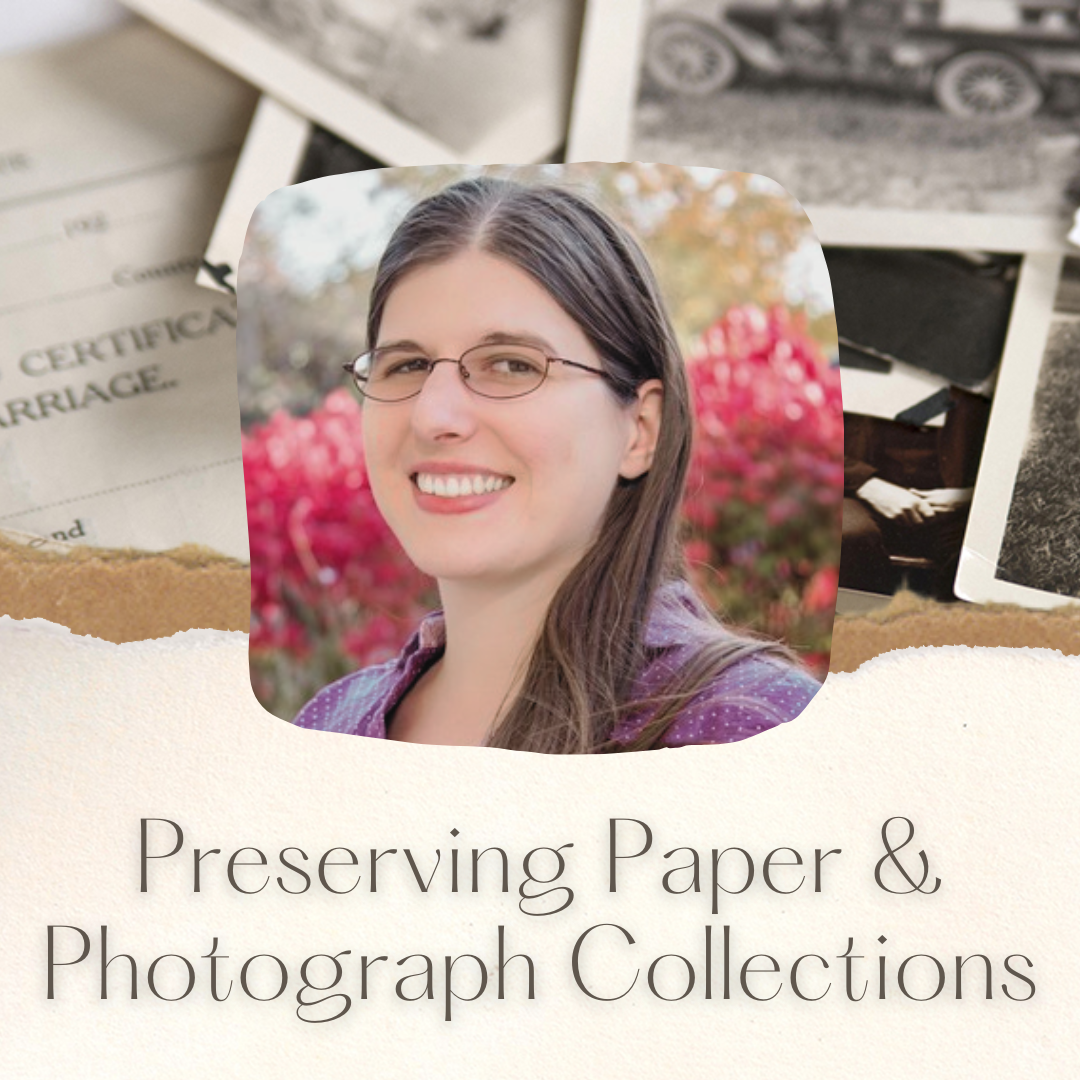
<point x="527" y="427"/>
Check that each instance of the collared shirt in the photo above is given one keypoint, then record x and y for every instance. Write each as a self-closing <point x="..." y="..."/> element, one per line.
<point x="753" y="694"/>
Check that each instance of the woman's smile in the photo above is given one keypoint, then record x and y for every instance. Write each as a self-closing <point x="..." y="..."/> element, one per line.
<point x="455" y="489"/>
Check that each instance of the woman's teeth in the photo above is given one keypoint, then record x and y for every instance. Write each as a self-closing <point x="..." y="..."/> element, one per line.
<point x="453" y="487"/>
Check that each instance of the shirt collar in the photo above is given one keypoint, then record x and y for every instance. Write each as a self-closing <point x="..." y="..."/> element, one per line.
<point x="431" y="633"/>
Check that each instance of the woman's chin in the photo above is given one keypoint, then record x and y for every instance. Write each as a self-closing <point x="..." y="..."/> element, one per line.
<point x="454" y="572"/>
<point x="498" y="573"/>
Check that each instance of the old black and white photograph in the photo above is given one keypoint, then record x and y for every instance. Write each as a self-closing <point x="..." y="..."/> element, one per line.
<point x="921" y="335"/>
<point x="958" y="107"/>
<point x="408" y="81"/>
<point x="281" y="148"/>
<point x="1022" y="544"/>
<point x="1040" y="548"/>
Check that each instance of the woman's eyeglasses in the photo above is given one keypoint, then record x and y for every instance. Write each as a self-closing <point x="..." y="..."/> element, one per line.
<point x="492" y="371"/>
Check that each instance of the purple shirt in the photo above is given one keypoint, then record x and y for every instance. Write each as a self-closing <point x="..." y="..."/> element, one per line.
<point x="755" y="693"/>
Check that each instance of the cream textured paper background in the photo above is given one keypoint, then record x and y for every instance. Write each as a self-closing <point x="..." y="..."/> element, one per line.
<point x="977" y="747"/>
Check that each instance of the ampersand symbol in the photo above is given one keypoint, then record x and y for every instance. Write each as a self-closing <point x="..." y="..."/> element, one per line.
<point x="890" y="855"/>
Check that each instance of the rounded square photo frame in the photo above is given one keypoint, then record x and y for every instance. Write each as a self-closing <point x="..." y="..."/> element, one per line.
<point x="638" y="549"/>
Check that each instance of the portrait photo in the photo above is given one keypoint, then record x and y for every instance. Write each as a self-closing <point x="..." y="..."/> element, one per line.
<point x="544" y="458"/>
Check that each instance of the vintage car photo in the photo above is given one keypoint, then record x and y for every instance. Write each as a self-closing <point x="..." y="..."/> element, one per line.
<point x="960" y="115"/>
<point x="976" y="65"/>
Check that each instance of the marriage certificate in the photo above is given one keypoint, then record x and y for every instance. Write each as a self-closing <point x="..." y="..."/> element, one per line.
<point x="119" y="423"/>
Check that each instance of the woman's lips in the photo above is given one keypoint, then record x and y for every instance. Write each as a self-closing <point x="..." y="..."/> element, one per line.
<point x="457" y="492"/>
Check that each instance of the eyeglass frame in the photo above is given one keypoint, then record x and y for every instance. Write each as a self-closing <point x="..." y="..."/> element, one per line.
<point x="359" y="381"/>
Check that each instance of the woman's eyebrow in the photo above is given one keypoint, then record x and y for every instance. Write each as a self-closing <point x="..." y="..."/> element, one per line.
<point x="501" y="337"/>
<point x="494" y="337"/>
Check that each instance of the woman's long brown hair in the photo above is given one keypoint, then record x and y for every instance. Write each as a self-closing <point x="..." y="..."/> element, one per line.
<point x="580" y="678"/>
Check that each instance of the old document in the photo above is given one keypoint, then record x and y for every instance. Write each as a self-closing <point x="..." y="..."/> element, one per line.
<point x="118" y="408"/>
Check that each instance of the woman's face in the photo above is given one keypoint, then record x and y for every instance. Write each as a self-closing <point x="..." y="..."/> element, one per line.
<point x="538" y="469"/>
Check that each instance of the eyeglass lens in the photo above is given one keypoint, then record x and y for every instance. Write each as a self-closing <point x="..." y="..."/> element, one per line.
<point x="498" y="371"/>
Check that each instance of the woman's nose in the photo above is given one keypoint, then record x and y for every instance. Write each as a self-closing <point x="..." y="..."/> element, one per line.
<point x="445" y="409"/>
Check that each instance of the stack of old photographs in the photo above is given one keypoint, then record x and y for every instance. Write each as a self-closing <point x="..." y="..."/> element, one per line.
<point x="934" y="145"/>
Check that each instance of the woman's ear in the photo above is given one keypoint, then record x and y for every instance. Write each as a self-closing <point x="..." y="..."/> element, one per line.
<point x="646" y="412"/>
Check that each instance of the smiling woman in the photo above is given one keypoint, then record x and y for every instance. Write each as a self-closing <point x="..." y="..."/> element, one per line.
<point x="526" y="434"/>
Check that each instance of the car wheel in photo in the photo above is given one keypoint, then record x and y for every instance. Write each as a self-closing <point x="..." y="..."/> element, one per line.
<point x="987" y="85"/>
<point x="684" y="56"/>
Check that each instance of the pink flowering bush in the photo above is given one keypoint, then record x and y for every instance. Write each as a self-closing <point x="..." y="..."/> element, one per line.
<point x="766" y="482"/>
<point x="331" y="590"/>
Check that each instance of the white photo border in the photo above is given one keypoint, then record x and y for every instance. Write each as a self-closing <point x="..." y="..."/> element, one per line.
<point x="1006" y="436"/>
<point x="272" y="153"/>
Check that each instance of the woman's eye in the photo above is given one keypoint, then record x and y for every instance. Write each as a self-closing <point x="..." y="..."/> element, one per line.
<point x="509" y="364"/>
<point x="392" y="367"/>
